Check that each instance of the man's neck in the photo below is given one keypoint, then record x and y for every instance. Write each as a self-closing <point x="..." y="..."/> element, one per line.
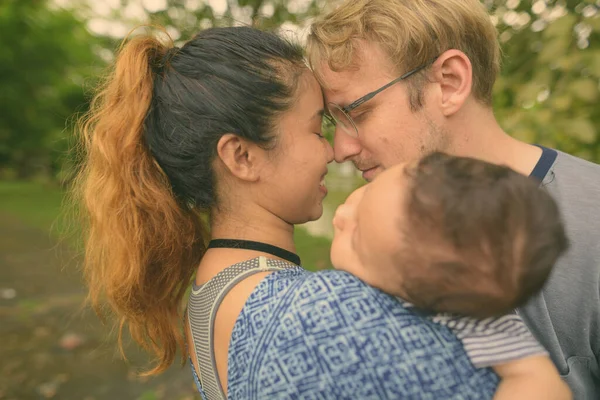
<point x="483" y="138"/>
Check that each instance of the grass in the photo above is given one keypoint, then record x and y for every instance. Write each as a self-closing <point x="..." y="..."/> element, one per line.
<point x="40" y="206"/>
<point x="313" y="250"/>
<point x="36" y="204"/>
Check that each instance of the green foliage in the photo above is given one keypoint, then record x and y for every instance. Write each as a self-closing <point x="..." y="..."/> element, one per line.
<point x="45" y="56"/>
<point x="549" y="87"/>
<point x="547" y="92"/>
<point x="266" y="14"/>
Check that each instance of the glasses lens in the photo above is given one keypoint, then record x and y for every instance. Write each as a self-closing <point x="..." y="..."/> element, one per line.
<point x="343" y="120"/>
<point x="328" y="127"/>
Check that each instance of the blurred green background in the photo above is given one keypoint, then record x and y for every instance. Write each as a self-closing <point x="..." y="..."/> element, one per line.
<point x="51" y="54"/>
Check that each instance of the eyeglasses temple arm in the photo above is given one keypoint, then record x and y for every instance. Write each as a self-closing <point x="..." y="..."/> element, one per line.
<point x="369" y="96"/>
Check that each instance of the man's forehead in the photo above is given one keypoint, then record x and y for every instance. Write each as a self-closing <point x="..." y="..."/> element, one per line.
<point x="369" y="64"/>
<point x="337" y="81"/>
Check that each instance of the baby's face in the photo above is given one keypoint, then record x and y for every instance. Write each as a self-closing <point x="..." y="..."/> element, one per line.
<point x="367" y="230"/>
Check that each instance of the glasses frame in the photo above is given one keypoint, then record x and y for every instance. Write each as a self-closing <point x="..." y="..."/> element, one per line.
<point x="347" y="109"/>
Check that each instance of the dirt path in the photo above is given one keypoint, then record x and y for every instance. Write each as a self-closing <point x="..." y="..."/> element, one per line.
<point x="49" y="348"/>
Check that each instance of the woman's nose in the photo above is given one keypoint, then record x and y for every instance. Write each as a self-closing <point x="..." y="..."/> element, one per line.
<point x="330" y="153"/>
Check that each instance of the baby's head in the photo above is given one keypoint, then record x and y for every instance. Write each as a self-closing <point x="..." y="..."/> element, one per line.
<point x="451" y="234"/>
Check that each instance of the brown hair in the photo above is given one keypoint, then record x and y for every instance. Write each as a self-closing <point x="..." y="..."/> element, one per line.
<point x="481" y="238"/>
<point x="148" y="144"/>
<point x="412" y="33"/>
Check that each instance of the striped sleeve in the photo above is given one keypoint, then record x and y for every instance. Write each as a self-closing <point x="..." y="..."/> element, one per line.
<point x="493" y="341"/>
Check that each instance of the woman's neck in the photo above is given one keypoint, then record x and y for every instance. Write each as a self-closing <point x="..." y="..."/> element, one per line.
<point x="258" y="226"/>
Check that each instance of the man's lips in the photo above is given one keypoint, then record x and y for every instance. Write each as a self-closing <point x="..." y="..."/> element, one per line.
<point x="368" y="173"/>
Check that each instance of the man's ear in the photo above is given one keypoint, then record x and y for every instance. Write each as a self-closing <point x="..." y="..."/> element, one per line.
<point x="454" y="73"/>
<point x="239" y="156"/>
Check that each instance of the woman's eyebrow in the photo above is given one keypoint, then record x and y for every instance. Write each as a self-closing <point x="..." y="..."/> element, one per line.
<point x="319" y="114"/>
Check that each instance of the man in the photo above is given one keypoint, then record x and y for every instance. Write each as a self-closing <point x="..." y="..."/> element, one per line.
<point x="403" y="78"/>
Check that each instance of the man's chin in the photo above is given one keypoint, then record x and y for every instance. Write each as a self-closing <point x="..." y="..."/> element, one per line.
<point x="370" y="174"/>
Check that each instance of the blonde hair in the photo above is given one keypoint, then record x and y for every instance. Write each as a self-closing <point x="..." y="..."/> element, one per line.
<point x="411" y="33"/>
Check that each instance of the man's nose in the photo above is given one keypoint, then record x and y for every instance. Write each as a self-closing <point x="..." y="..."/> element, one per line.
<point x="344" y="146"/>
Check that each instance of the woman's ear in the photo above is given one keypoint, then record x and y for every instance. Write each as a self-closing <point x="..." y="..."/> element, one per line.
<point x="239" y="156"/>
<point x="454" y="74"/>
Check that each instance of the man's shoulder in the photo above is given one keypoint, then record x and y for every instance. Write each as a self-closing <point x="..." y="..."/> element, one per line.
<point x="574" y="182"/>
<point x="572" y="167"/>
<point x="575" y="185"/>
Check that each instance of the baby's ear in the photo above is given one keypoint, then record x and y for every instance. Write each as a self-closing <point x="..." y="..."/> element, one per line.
<point x="240" y="157"/>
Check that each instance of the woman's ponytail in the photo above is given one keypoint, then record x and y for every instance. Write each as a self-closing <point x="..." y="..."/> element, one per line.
<point x="142" y="245"/>
<point x="149" y="145"/>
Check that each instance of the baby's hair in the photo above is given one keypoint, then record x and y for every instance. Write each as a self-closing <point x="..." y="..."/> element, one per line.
<point x="481" y="239"/>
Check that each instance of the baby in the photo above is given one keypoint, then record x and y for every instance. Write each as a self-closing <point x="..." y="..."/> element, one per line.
<point x="468" y="242"/>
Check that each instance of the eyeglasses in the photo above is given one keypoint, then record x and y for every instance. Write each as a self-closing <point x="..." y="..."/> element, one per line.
<point x="340" y="116"/>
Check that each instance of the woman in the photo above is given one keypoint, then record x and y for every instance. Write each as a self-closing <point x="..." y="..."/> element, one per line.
<point x="229" y="126"/>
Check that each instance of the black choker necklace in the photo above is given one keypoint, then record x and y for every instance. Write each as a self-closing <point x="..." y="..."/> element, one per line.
<point x="258" y="246"/>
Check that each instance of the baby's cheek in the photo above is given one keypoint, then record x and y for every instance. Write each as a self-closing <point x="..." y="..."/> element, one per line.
<point x="344" y="258"/>
<point x="339" y="254"/>
<point x="383" y="276"/>
<point x="348" y="263"/>
<point x="375" y="277"/>
<point x="358" y="270"/>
